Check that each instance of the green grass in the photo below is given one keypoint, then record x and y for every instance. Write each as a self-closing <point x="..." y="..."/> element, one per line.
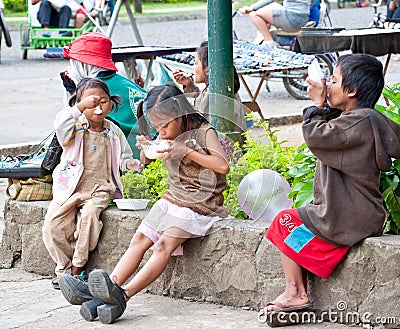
<point x="152" y="8"/>
<point x="149" y="9"/>
<point x="155" y="5"/>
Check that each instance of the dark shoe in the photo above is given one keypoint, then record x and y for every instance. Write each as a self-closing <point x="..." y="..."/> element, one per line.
<point x="109" y="313"/>
<point x="76" y="292"/>
<point x="101" y="287"/>
<point x="66" y="34"/>
<point x="88" y="309"/>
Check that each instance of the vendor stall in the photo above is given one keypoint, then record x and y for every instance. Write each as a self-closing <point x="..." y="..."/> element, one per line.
<point x="127" y="53"/>
<point x="253" y="60"/>
<point x="373" y="41"/>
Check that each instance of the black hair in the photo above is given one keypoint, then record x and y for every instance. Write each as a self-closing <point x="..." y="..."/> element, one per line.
<point x="202" y="52"/>
<point x="168" y="100"/>
<point x="362" y="74"/>
<point x="88" y="83"/>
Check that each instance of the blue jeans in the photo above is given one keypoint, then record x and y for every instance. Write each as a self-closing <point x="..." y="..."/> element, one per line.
<point x="48" y="16"/>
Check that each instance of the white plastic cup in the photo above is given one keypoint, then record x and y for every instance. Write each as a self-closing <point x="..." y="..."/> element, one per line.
<point x="314" y="71"/>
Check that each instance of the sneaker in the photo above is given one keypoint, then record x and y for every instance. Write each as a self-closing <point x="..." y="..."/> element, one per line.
<point x="269" y="44"/>
<point x="46" y="34"/>
<point x="89" y="308"/>
<point x="113" y="296"/>
<point x="75" y="291"/>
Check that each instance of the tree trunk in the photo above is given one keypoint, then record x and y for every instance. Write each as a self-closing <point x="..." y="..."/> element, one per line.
<point x="137" y="6"/>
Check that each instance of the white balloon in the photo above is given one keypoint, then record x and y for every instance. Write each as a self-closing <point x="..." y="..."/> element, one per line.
<point x="263" y="193"/>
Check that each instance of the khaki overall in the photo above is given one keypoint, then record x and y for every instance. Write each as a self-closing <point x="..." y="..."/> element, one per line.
<point x="72" y="230"/>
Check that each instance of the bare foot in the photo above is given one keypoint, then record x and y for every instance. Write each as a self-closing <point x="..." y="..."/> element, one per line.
<point x="285" y="300"/>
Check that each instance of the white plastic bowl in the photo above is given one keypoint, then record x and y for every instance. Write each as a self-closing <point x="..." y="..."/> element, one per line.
<point x="150" y="150"/>
<point x="131" y="204"/>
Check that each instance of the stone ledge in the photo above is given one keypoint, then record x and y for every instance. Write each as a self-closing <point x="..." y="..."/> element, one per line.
<point x="234" y="265"/>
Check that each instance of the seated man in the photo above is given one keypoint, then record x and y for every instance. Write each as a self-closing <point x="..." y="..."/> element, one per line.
<point x="53" y="14"/>
<point x="290" y="16"/>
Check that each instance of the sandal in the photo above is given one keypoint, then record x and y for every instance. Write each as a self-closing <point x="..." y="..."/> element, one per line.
<point x="55" y="282"/>
<point x="82" y="276"/>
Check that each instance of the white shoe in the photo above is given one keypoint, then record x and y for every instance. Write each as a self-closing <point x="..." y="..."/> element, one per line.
<point x="269" y="44"/>
<point x="259" y="38"/>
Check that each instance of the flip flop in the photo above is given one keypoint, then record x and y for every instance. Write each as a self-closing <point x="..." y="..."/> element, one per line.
<point x="55" y="282"/>
<point x="286" y="309"/>
<point x="290" y="315"/>
<point x="82" y="276"/>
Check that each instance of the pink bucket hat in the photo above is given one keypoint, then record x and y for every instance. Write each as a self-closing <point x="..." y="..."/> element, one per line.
<point x="92" y="48"/>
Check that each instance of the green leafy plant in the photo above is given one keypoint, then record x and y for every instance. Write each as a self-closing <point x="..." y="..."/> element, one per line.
<point x="389" y="181"/>
<point x="302" y="176"/>
<point x="149" y="184"/>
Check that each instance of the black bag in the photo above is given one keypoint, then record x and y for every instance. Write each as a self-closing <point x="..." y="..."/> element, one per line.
<point x="53" y="155"/>
<point x="20" y="167"/>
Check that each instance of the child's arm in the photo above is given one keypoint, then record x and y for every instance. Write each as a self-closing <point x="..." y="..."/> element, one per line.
<point x="127" y="162"/>
<point x="65" y="122"/>
<point x="215" y="161"/>
<point x="139" y="141"/>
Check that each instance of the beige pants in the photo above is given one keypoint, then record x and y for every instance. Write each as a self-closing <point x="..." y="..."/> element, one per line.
<point x="72" y="230"/>
<point x="77" y="223"/>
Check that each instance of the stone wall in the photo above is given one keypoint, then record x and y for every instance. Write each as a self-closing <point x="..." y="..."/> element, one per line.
<point x="234" y="265"/>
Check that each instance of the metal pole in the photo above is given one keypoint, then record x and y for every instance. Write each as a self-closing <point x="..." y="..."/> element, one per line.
<point x="220" y="64"/>
<point x="114" y="17"/>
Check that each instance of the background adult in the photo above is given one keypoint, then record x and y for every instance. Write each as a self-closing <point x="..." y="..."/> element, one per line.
<point x="290" y="16"/>
<point x="55" y="13"/>
<point x="90" y="56"/>
<point x="200" y="75"/>
<point x="393" y="11"/>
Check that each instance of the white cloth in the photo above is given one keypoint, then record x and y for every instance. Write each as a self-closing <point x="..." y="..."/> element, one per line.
<point x="164" y="215"/>
<point x="78" y="71"/>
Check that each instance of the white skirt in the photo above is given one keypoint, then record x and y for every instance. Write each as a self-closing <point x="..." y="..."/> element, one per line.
<point x="165" y="215"/>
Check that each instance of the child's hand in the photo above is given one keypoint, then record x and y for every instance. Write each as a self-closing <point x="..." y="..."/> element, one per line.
<point x="176" y="150"/>
<point x="181" y="77"/>
<point x="317" y="92"/>
<point x="141" y="140"/>
<point x="134" y="164"/>
<point x="89" y="102"/>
